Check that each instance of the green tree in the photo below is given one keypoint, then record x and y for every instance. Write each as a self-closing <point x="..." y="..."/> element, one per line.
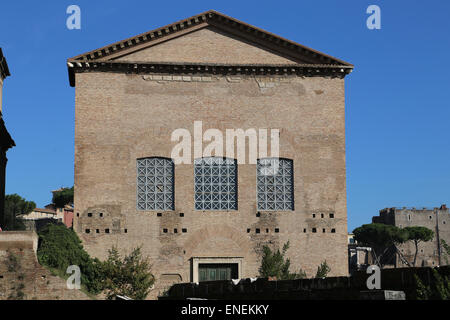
<point x="129" y="276"/>
<point x="381" y="238"/>
<point x="63" y="197"/>
<point x="60" y="247"/>
<point x="323" y="270"/>
<point x="439" y="289"/>
<point x="418" y="234"/>
<point x="14" y="206"/>
<point x="445" y="250"/>
<point x="274" y="264"/>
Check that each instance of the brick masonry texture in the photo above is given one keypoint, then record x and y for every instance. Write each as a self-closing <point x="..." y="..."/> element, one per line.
<point x="122" y="117"/>
<point x="27" y="275"/>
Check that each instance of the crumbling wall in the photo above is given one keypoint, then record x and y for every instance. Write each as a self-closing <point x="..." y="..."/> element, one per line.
<point x="22" y="277"/>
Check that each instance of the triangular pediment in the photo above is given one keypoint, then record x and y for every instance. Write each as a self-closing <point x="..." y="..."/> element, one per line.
<point x="209" y="45"/>
<point x="210" y="37"/>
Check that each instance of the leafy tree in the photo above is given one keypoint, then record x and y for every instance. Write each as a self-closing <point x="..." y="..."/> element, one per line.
<point x="418" y="234"/>
<point x="130" y="276"/>
<point x="63" y="197"/>
<point x="381" y="238"/>
<point x="446" y="250"/>
<point x="60" y="247"/>
<point x="323" y="270"/>
<point x="274" y="264"/>
<point x="15" y="205"/>
<point x="439" y="289"/>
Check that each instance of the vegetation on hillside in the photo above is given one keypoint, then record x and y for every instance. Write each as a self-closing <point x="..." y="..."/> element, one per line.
<point x="60" y="247"/>
<point x="439" y="289"/>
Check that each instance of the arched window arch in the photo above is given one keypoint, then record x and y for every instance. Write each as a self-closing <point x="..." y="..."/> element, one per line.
<point x="155" y="184"/>
<point x="215" y="183"/>
<point x="275" y="184"/>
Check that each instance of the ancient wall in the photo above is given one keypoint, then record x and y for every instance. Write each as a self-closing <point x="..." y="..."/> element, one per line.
<point x="22" y="277"/>
<point x="120" y="118"/>
<point x="123" y="116"/>
<point x="433" y="219"/>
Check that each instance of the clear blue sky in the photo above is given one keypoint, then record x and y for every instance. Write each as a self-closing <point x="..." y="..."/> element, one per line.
<point x="397" y="98"/>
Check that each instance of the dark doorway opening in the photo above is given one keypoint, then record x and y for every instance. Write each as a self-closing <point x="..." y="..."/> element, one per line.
<point x="217" y="271"/>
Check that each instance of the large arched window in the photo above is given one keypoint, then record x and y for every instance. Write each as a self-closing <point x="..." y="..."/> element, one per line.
<point x="155" y="184"/>
<point x="215" y="183"/>
<point x="275" y="184"/>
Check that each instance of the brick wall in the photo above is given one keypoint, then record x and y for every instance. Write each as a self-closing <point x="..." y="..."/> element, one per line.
<point x="122" y="117"/>
<point x="22" y="277"/>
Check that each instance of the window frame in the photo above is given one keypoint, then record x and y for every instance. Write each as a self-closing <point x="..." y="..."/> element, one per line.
<point x="172" y="206"/>
<point x="236" y="173"/>
<point x="258" y="208"/>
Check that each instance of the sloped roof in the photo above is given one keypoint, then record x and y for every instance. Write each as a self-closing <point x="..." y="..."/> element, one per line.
<point x="44" y="210"/>
<point x="106" y="56"/>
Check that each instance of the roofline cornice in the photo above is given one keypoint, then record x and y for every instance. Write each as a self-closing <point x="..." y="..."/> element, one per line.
<point x="137" y="67"/>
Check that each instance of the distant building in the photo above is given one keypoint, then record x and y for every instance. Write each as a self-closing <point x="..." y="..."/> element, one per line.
<point x="436" y="219"/>
<point x="50" y="212"/>
<point x="6" y="141"/>
<point x="39" y="213"/>
<point x="359" y="257"/>
<point x="64" y="214"/>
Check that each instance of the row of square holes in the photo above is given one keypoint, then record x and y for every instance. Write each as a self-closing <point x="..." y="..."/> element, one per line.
<point x="184" y="230"/>
<point x="159" y="214"/>
<point x="323" y="216"/>
<point x="314" y="230"/>
<point x="90" y="214"/>
<point x="106" y="231"/>
<point x="257" y="230"/>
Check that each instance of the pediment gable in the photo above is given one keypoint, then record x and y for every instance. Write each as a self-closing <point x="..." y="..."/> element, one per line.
<point x="220" y="25"/>
<point x="209" y="45"/>
<point x="205" y="43"/>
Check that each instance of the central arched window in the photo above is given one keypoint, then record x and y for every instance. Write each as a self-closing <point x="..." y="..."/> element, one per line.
<point x="215" y="183"/>
<point x="155" y="184"/>
<point x="275" y="184"/>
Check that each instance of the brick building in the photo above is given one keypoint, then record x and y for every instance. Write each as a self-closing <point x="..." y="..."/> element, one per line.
<point x="209" y="219"/>
<point x="436" y="219"/>
<point x="6" y="142"/>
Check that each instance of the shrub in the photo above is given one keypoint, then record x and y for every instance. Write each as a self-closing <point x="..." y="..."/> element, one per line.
<point x="274" y="264"/>
<point x="323" y="270"/>
<point x="439" y="289"/>
<point x="129" y="276"/>
<point x="60" y="247"/>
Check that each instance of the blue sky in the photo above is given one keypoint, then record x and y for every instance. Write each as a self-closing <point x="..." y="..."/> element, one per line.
<point x="397" y="98"/>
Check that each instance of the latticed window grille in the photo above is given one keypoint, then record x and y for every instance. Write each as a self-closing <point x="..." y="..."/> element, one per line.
<point x="215" y="184"/>
<point x="155" y="184"/>
<point x="275" y="184"/>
